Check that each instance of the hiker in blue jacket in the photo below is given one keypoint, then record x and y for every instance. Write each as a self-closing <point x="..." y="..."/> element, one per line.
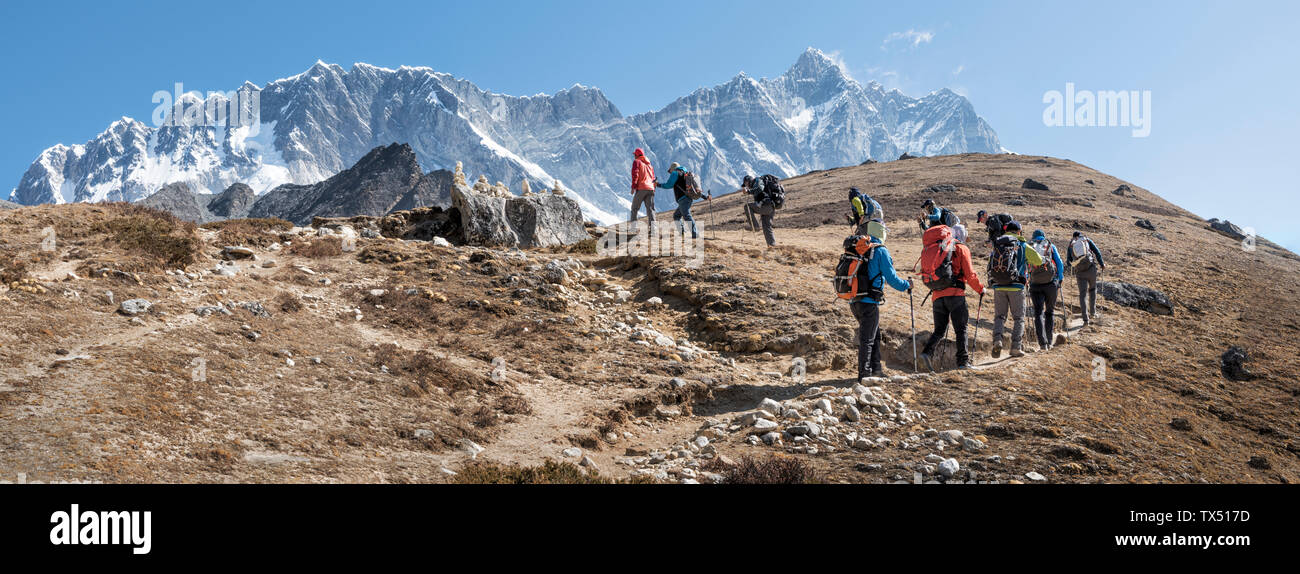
<point x="683" y="212"/>
<point x="866" y="308"/>
<point x="1009" y="266"/>
<point x="1044" y="287"/>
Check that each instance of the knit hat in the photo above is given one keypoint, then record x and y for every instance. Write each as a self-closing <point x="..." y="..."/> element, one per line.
<point x="1013" y="226"/>
<point x="1077" y="234"/>
<point x="1039" y="235"/>
<point x="638" y="153"/>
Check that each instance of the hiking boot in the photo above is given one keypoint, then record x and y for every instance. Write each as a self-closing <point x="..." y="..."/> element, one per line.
<point x="925" y="358"/>
<point x="1017" y="352"/>
<point x="965" y="365"/>
<point x="997" y="348"/>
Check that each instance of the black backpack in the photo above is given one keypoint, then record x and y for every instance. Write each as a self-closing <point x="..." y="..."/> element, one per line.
<point x="943" y="276"/>
<point x="1004" y="262"/>
<point x="689" y="185"/>
<point x="996" y="225"/>
<point x="772" y="191"/>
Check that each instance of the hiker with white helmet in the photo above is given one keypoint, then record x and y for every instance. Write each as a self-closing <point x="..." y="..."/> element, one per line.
<point x="1044" y="286"/>
<point x="1008" y="270"/>
<point x="1084" y="257"/>
<point x="860" y="278"/>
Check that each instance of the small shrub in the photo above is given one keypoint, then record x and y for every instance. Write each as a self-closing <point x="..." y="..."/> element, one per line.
<point x="483" y="417"/>
<point x="272" y="224"/>
<point x="550" y="472"/>
<point x="158" y="234"/>
<point x="321" y="247"/>
<point x="249" y="232"/>
<point x="773" y="470"/>
<point x="288" y="302"/>
<point x="514" y="405"/>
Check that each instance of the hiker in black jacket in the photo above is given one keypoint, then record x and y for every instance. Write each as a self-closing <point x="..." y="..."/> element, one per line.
<point x="762" y="205"/>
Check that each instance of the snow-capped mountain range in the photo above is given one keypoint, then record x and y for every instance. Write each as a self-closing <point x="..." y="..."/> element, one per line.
<point x="322" y="121"/>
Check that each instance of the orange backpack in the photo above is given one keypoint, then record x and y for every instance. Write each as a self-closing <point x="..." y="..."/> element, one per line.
<point x="849" y="281"/>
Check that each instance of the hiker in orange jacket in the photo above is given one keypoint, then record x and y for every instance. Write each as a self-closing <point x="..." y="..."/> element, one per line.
<point x="946" y="269"/>
<point x="643" y="190"/>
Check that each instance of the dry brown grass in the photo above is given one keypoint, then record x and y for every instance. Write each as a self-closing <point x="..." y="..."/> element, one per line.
<point x="320" y="248"/>
<point x="250" y="232"/>
<point x="777" y="469"/>
<point x="550" y="472"/>
<point x="288" y="302"/>
<point x="161" y="238"/>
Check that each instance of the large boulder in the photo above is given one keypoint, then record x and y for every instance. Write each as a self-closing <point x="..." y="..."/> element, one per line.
<point x="1137" y="297"/>
<point x="1035" y="185"/>
<point x="539" y="221"/>
<point x="1227" y="228"/>
<point x="1233" y="364"/>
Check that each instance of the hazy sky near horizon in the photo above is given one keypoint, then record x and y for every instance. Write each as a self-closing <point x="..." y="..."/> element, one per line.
<point x="1221" y="75"/>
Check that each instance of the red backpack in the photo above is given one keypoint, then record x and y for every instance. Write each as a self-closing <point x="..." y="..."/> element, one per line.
<point x="936" y="259"/>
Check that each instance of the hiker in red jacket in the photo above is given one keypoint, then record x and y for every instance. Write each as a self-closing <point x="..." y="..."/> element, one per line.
<point x="946" y="269"/>
<point x="643" y="190"/>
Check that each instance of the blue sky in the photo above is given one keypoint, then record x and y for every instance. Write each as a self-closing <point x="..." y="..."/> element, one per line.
<point x="1222" y="76"/>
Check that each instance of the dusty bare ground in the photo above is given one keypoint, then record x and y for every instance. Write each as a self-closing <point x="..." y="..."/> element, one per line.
<point x="386" y="373"/>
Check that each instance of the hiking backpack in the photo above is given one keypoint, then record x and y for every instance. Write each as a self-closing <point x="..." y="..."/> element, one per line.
<point x="850" y="281"/>
<point x="1086" y="259"/>
<point x="772" y="191"/>
<point x="996" y="225"/>
<point x="947" y="217"/>
<point x="936" y="264"/>
<point x="1045" y="273"/>
<point x="689" y="185"/>
<point x="1004" y="262"/>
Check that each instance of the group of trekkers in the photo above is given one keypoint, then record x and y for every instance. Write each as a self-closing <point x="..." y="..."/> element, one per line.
<point x="1017" y="268"/>
<point x="766" y="192"/>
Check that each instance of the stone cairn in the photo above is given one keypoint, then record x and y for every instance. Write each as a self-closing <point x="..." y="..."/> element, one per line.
<point x="558" y="189"/>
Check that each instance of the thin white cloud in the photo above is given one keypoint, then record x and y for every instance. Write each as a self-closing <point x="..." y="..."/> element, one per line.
<point x="910" y="38"/>
<point x="959" y="70"/>
<point x="838" y="59"/>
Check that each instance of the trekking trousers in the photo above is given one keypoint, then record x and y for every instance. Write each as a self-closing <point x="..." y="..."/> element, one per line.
<point x="868" y="316"/>
<point x="647" y="197"/>
<point x="683" y="213"/>
<point x="765" y="213"/>
<point x="950" y="309"/>
<point x="1043" y="296"/>
<point x="1088" y="295"/>
<point x="1013" y="301"/>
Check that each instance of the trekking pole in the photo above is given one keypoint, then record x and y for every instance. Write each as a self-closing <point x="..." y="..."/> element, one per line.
<point x="979" y="308"/>
<point x="912" y="311"/>
<point x="713" y="219"/>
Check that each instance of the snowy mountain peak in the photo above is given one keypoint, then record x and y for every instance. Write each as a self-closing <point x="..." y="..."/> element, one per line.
<point x="322" y="121"/>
